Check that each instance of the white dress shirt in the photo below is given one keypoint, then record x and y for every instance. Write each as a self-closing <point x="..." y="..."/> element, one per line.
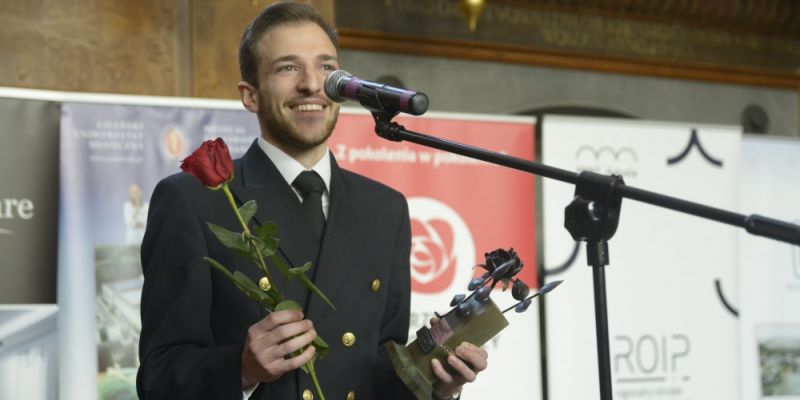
<point x="291" y="168"/>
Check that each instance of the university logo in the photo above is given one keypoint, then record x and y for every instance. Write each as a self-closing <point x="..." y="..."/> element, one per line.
<point x="442" y="246"/>
<point x="173" y="144"/>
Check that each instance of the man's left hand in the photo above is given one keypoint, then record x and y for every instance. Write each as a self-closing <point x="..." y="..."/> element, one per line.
<point x="467" y="360"/>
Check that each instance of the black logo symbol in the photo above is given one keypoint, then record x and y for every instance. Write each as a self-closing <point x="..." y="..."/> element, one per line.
<point x="724" y="300"/>
<point x="694" y="141"/>
<point x="618" y="154"/>
<point x="607" y="160"/>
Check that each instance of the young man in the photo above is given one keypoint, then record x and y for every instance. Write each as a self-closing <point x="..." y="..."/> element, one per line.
<point x="201" y="338"/>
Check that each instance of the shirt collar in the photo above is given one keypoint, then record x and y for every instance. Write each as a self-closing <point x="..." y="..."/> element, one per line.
<point x="291" y="168"/>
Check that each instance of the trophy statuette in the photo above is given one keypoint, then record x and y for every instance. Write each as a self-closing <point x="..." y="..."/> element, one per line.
<point x="474" y="319"/>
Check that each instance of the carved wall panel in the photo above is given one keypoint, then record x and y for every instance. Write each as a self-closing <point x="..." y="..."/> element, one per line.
<point x="94" y="45"/>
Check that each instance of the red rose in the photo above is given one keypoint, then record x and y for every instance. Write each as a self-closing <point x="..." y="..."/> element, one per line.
<point x="211" y="163"/>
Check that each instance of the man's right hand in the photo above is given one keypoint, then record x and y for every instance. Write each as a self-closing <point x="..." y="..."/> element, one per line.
<point x="270" y="343"/>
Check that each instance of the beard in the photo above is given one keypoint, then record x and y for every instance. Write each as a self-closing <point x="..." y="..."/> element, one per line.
<point x="286" y="132"/>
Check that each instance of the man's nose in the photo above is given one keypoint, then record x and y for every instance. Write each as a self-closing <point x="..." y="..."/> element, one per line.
<point x="311" y="81"/>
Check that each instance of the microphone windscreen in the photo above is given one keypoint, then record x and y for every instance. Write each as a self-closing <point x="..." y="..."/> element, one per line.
<point x="332" y="85"/>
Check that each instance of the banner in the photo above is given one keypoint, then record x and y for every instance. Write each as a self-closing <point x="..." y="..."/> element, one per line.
<point x="460" y="209"/>
<point x="28" y="205"/>
<point x="770" y="272"/>
<point x="672" y="280"/>
<point x="113" y="155"/>
<point x="28" y="242"/>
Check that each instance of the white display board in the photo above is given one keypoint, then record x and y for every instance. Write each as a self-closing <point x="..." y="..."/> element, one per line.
<point x="671" y="335"/>
<point x="770" y="272"/>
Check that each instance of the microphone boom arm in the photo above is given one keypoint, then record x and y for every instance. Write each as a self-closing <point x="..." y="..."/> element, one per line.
<point x="754" y="224"/>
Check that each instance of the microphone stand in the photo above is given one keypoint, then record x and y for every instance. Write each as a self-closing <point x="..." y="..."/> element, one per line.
<point x="593" y="215"/>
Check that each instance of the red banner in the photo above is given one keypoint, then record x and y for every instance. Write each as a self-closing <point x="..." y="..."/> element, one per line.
<point x="460" y="208"/>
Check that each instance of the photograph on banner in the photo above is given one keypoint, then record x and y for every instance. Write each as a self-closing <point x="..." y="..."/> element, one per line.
<point x="460" y="209"/>
<point x="672" y="281"/>
<point x="112" y="156"/>
<point x="779" y="360"/>
<point x="770" y="271"/>
<point x="28" y="351"/>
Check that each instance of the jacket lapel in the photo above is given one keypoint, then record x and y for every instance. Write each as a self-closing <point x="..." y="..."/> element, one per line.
<point x="260" y="180"/>
<point x="339" y="250"/>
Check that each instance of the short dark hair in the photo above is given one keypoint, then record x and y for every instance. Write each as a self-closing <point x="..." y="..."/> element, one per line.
<point x="272" y="16"/>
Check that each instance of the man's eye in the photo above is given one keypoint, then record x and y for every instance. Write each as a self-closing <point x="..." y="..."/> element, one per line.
<point x="329" y="67"/>
<point x="287" y="68"/>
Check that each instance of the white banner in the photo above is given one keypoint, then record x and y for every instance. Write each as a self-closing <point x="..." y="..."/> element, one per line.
<point x="770" y="272"/>
<point x="672" y="337"/>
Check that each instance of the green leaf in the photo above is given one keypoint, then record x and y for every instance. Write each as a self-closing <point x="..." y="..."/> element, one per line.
<point x="266" y="238"/>
<point x="247" y="210"/>
<point x="230" y="239"/>
<point x="288" y="305"/>
<point x="301" y="269"/>
<point x="251" y="289"/>
<point x="313" y="288"/>
<point x="278" y="261"/>
<point x="289" y="273"/>
<point x="266" y="247"/>
<point x="322" y="347"/>
<point x="268" y="230"/>
<point x="245" y="253"/>
<point x="243" y="283"/>
<point x="219" y="267"/>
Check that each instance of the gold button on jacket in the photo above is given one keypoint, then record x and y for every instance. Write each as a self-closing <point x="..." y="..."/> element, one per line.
<point x="351" y="395"/>
<point x="307" y="395"/>
<point x="264" y="284"/>
<point x="376" y="284"/>
<point x="348" y="339"/>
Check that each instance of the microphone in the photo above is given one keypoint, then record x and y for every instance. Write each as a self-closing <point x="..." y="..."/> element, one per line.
<point x="341" y="86"/>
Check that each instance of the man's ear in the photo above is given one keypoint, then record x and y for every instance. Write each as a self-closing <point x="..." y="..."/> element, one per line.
<point x="249" y="95"/>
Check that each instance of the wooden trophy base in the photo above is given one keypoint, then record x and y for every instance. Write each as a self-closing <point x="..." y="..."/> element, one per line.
<point x="412" y="363"/>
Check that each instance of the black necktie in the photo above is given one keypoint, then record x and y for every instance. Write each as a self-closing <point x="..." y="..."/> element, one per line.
<point x="311" y="186"/>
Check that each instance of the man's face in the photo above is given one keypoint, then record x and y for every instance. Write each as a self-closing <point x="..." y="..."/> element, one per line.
<point x="294" y="60"/>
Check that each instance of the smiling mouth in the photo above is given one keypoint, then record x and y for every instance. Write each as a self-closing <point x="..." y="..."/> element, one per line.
<point x="307" y="107"/>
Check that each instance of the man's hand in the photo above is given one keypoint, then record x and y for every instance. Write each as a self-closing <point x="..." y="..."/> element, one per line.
<point x="270" y="343"/>
<point x="467" y="361"/>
